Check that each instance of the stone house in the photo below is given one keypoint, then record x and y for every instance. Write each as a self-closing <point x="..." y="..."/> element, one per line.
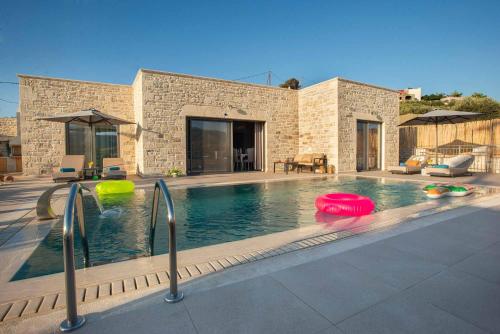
<point x="205" y="125"/>
<point x="10" y="145"/>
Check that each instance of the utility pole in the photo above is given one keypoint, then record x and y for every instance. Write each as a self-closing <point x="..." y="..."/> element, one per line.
<point x="269" y="78"/>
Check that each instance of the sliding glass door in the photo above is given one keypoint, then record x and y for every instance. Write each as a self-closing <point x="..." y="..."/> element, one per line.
<point x="79" y="141"/>
<point x="95" y="143"/>
<point x="209" y="146"/>
<point x="368" y="139"/>
<point x="106" y="143"/>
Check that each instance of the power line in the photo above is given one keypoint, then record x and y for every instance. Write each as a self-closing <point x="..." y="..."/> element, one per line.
<point x="251" y="76"/>
<point x="277" y="76"/>
<point x="7" y="101"/>
<point x="9" y="82"/>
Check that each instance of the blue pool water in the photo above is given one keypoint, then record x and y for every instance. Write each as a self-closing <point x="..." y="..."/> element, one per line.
<point x="207" y="216"/>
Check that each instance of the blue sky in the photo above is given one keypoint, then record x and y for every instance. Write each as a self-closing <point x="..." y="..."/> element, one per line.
<point x="437" y="45"/>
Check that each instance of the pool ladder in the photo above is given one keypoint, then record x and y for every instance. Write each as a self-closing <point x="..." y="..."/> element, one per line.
<point x="74" y="204"/>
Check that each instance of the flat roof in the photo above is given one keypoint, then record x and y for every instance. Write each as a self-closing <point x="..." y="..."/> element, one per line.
<point x="200" y="78"/>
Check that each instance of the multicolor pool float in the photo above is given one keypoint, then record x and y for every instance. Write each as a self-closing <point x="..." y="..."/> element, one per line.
<point x="438" y="190"/>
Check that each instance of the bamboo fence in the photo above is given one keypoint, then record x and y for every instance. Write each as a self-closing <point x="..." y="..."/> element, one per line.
<point x="485" y="132"/>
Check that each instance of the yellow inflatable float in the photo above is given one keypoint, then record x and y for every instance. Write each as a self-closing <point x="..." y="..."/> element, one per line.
<point x="114" y="187"/>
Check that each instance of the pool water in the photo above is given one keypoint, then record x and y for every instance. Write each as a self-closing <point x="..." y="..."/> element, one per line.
<point x="206" y="216"/>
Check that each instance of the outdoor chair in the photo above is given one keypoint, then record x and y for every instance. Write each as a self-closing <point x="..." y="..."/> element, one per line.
<point x="236" y="160"/>
<point x="310" y="160"/>
<point x="413" y="165"/>
<point x="70" y="169"/>
<point x="250" y="158"/>
<point x="113" y="168"/>
<point x="456" y="166"/>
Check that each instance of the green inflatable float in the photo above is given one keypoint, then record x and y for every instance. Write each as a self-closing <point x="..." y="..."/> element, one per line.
<point x="114" y="187"/>
<point x="438" y="190"/>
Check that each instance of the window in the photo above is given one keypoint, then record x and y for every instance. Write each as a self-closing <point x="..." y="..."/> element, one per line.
<point x="96" y="142"/>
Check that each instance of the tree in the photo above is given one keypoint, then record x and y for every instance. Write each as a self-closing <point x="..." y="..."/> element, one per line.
<point x="433" y="97"/>
<point x="478" y="95"/>
<point x="456" y="93"/>
<point x="291" y="83"/>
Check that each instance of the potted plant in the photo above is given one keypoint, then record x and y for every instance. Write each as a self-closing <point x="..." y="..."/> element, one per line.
<point x="174" y="172"/>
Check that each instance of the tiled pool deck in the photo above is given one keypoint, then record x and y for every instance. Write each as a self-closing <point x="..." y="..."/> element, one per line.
<point x="282" y="293"/>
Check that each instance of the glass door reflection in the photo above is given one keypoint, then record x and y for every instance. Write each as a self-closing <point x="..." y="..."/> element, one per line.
<point x="368" y="141"/>
<point x="209" y="146"/>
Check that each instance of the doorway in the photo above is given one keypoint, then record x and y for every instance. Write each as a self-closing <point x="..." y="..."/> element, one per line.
<point x="368" y="142"/>
<point x="221" y="146"/>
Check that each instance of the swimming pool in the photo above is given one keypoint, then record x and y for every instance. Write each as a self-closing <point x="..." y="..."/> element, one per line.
<point x="207" y="216"/>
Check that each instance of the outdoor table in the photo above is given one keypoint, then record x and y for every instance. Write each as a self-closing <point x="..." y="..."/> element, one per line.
<point x="89" y="173"/>
<point x="286" y="165"/>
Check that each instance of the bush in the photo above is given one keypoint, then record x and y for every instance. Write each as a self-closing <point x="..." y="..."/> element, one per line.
<point x="419" y="107"/>
<point x="174" y="172"/>
<point x="433" y="97"/>
<point x="486" y="105"/>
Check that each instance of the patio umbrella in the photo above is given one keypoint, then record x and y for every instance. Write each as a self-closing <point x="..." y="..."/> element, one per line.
<point x="440" y="116"/>
<point x="88" y="117"/>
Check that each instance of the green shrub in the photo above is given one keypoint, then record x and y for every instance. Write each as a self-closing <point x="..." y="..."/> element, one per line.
<point x="486" y="105"/>
<point x="419" y="107"/>
<point x="174" y="172"/>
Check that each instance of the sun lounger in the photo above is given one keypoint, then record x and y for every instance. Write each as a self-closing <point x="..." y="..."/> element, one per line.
<point x="412" y="166"/>
<point x="456" y="166"/>
<point x="113" y="168"/>
<point x="70" y="170"/>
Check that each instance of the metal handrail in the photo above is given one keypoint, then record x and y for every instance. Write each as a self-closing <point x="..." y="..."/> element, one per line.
<point x="173" y="295"/>
<point x="74" y="203"/>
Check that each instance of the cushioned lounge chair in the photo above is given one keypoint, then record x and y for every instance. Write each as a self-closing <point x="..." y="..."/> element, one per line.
<point x="456" y="166"/>
<point x="113" y="168"/>
<point x="310" y="160"/>
<point x="412" y="166"/>
<point x="70" y="170"/>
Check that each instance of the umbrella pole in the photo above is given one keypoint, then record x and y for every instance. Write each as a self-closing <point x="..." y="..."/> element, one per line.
<point x="92" y="144"/>
<point x="437" y="145"/>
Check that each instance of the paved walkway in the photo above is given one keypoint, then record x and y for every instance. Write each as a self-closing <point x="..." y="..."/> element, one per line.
<point x="17" y="201"/>
<point x="430" y="278"/>
<point x="484" y="179"/>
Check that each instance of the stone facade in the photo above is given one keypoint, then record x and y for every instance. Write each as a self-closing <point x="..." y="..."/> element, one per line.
<point x="42" y="142"/>
<point x="319" y="118"/>
<point x="328" y="113"/>
<point x="357" y="101"/>
<point x="169" y="99"/>
<point x="8" y="127"/>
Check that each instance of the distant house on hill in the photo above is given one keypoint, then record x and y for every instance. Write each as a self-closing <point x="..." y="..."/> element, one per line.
<point x="410" y="94"/>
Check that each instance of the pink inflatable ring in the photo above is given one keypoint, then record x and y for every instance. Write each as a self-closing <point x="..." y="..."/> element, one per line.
<point x="342" y="204"/>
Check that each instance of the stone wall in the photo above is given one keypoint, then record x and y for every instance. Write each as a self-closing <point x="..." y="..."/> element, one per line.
<point x="43" y="142"/>
<point x="8" y="127"/>
<point x="139" y="119"/>
<point x="318" y="119"/>
<point x="169" y="99"/>
<point x="359" y="101"/>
